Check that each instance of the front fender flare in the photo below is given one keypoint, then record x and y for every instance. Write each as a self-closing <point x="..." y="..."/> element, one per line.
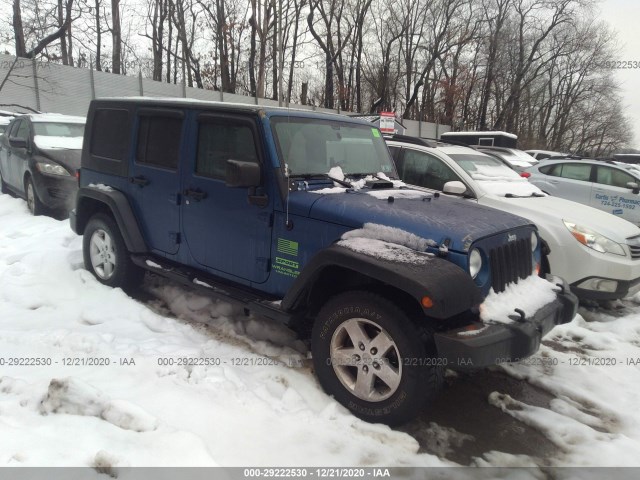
<point x="450" y="288"/>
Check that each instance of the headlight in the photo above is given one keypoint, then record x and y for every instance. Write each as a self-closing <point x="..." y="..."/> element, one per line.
<point x="534" y="241"/>
<point x="594" y="240"/>
<point x="475" y="263"/>
<point x="51" y="168"/>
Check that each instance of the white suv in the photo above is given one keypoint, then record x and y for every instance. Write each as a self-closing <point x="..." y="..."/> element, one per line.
<point x="597" y="253"/>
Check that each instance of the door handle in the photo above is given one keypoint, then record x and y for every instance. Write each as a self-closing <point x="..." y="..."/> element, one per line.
<point x="139" y="180"/>
<point x="195" y="194"/>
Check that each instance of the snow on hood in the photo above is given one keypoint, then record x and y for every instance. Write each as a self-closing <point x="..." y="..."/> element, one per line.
<point x="500" y="181"/>
<point x="47" y="142"/>
<point x="388" y="243"/>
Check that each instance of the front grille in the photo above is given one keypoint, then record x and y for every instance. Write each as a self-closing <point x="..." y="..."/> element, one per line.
<point x="509" y="263"/>
<point x="634" y="246"/>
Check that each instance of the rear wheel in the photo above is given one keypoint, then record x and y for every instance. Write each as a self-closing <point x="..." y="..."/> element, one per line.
<point x="371" y="357"/>
<point x="106" y="255"/>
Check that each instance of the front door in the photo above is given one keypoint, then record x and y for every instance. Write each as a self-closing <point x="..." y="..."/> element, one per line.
<point x="611" y="193"/>
<point x="155" y="176"/>
<point x="226" y="231"/>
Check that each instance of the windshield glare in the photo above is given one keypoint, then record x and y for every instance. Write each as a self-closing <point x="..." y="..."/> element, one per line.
<point x="494" y="176"/>
<point x="314" y="146"/>
<point x="58" y="129"/>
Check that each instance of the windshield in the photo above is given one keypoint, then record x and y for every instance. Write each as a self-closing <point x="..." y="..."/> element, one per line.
<point x="494" y="176"/>
<point x="313" y="146"/>
<point x="55" y="135"/>
<point x="58" y="129"/>
<point x="513" y="159"/>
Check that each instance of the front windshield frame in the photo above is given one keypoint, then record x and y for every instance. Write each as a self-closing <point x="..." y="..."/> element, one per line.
<point x="385" y="161"/>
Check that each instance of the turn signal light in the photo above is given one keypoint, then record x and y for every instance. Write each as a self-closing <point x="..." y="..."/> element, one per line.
<point x="525" y="174"/>
<point x="426" y="302"/>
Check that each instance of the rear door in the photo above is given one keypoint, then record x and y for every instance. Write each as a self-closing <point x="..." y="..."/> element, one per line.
<point x="611" y="194"/>
<point x="155" y="176"/>
<point x="226" y="230"/>
<point x="569" y="180"/>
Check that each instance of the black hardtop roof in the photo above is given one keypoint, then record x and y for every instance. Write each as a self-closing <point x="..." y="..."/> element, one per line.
<point x="227" y="106"/>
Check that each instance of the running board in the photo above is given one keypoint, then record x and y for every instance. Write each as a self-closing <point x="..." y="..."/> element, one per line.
<point x="203" y="282"/>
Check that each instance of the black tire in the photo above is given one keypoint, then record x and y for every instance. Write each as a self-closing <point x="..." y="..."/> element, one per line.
<point x="36" y="207"/>
<point x="113" y="265"/>
<point x="411" y="360"/>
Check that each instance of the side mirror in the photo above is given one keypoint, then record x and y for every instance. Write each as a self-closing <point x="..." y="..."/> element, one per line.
<point x="17" y="142"/>
<point x="454" y="188"/>
<point x="634" y="187"/>
<point x="242" y="174"/>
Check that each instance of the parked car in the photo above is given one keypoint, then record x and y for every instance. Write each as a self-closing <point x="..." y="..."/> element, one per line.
<point x="609" y="186"/>
<point x="295" y="216"/>
<point x="597" y="253"/>
<point x="511" y="157"/>
<point x="39" y="156"/>
<point x="543" y="154"/>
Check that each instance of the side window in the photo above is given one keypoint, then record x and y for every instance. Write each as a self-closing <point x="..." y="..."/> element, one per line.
<point x="220" y="140"/>
<point x="159" y="141"/>
<point x="576" y="171"/>
<point x="395" y="153"/>
<point x="613" y="177"/>
<point x="424" y="170"/>
<point x="23" y="130"/>
<point x="552" y="170"/>
<point x="109" y="133"/>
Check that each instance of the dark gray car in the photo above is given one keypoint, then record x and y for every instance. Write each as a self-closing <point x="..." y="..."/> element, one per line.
<point x="39" y="157"/>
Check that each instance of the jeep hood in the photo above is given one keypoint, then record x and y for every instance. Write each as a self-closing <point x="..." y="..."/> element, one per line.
<point x="429" y="217"/>
<point x="543" y="210"/>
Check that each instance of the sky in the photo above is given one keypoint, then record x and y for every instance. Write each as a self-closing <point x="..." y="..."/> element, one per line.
<point x="623" y="16"/>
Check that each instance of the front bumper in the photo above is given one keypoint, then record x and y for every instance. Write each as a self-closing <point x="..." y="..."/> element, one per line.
<point x="492" y="344"/>
<point x="56" y="192"/>
<point x="624" y="289"/>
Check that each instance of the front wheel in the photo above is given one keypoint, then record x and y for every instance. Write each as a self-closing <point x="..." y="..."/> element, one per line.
<point x="106" y="255"/>
<point x="372" y="358"/>
<point x="33" y="202"/>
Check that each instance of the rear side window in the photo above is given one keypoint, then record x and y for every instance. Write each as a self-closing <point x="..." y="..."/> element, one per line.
<point x="573" y="171"/>
<point x="553" y="170"/>
<point x="159" y="141"/>
<point x="220" y="140"/>
<point x="109" y="134"/>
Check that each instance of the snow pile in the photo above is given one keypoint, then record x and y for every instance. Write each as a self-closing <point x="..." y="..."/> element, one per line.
<point x="47" y="142"/>
<point x="529" y="295"/>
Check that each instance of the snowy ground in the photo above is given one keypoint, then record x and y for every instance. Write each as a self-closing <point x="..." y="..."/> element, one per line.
<point x="257" y="401"/>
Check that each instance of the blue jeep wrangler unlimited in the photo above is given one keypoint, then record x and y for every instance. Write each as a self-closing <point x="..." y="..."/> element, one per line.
<point x="296" y="216"/>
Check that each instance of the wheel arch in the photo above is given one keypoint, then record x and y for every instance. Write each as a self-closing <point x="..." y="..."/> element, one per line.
<point x="114" y="203"/>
